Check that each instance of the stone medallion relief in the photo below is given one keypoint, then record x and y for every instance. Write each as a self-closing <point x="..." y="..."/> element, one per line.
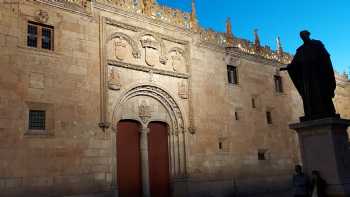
<point x="113" y="79"/>
<point x="177" y="62"/>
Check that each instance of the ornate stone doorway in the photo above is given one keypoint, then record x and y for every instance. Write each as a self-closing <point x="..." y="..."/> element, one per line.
<point x="158" y="154"/>
<point x="128" y="159"/>
<point x="162" y="137"/>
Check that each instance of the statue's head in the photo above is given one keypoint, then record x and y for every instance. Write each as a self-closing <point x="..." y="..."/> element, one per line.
<point x="305" y="35"/>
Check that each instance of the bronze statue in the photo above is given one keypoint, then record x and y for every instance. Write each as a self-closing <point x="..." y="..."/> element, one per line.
<point x="312" y="74"/>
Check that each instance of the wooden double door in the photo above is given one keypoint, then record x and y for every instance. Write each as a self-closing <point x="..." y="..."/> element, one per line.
<point x="129" y="162"/>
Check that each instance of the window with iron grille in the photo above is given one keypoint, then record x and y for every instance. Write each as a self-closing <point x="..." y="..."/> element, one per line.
<point x="40" y="36"/>
<point x="232" y="74"/>
<point x="262" y="155"/>
<point x="37" y="120"/>
<point x="278" y="84"/>
<point x="32" y="35"/>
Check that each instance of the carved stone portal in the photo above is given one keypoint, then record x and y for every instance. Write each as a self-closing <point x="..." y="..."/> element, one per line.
<point x="114" y="79"/>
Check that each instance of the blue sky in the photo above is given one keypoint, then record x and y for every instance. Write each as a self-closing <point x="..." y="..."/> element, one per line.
<point x="328" y="21"/>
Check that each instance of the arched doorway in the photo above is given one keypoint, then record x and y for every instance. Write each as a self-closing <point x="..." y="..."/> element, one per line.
<point x="158" y="159"/>
<point x="128" y="159"/>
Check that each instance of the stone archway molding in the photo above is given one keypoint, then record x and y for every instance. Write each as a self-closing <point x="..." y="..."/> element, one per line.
<point x="178" y="122"/>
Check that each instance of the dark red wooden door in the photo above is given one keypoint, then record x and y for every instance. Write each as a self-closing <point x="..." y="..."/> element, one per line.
<point x="128" y="159"/>
<point x="158" y="159"/>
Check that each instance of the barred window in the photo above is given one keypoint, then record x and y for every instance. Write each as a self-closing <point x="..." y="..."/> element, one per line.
<point x="37" y="119"/>
<point x="40" y="35"/>
<point x="46" y="42"/>
<point x="278" y="84"/>
<point x="232" y="74"/>
<point x="32" y="35"/>
<point x="262" y="154"/>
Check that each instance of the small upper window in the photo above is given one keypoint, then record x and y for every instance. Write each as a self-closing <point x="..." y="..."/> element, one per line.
<point x="220" y="145"/>
<point x="262" y="154"/>
<point x="236" y="115"/>
<point x="278" y="83"/>
<point x="40" y="36"/>
<point x="232" y="74"/>
<point x="268" y="117"/>
<point x="37" y="120"/>
<point x="253" y="103"/>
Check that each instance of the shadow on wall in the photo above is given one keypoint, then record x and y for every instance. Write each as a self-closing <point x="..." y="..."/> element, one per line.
<point x="259" y="187"/>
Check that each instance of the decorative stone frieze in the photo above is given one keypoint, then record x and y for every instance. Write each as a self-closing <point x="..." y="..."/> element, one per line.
<point x="147" y="69"/>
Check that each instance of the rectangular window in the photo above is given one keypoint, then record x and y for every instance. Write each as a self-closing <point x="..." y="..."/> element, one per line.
<point x="278" y="84"/>
<point x="262" y="155"/>
<point x="268" y="117"/>
<point x="40" y="36"/>
<point x="253" y="103"/>
<point x="32" y="35"/>
<point x="37" y="120"/>
<point x="46" y="42"/>
<point x="220" y="145"/>
<point x="232" y="74"/>
<point x="236" y="116"/>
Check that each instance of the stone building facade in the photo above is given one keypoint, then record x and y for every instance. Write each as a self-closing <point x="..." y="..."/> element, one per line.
<point x="131" y="98"/>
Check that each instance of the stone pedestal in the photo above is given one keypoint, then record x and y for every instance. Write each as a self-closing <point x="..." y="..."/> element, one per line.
<point x="324" y="146"/>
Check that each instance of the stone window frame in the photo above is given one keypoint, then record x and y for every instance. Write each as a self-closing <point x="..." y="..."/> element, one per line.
<point x="39" y="36"/>
<point x="278" y="84"/>
<point x="23" y="26"/>
<point x="49" y="119"/>
<point x="235" y="79"/>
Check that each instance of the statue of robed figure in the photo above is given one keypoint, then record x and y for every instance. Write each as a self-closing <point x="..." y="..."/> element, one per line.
<point x="312" y="74"/>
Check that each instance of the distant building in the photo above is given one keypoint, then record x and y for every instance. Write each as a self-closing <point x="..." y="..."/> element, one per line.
<point x="136" y="99"/>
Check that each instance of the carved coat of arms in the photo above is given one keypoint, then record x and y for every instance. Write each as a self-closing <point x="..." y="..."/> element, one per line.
<point x="120" y="48"/>
<point x="151" y="52"/>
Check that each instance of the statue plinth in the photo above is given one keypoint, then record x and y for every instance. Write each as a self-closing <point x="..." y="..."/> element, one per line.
<point x="324" y="146"/>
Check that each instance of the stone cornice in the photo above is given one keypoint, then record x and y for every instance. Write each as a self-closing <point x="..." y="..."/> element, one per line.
<point x="140" y="17"/>
<point x="70" y="7"/>
<point x="147" y="69"/>
<point x="235" y="52"/>
<point x="122" y="25"/>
